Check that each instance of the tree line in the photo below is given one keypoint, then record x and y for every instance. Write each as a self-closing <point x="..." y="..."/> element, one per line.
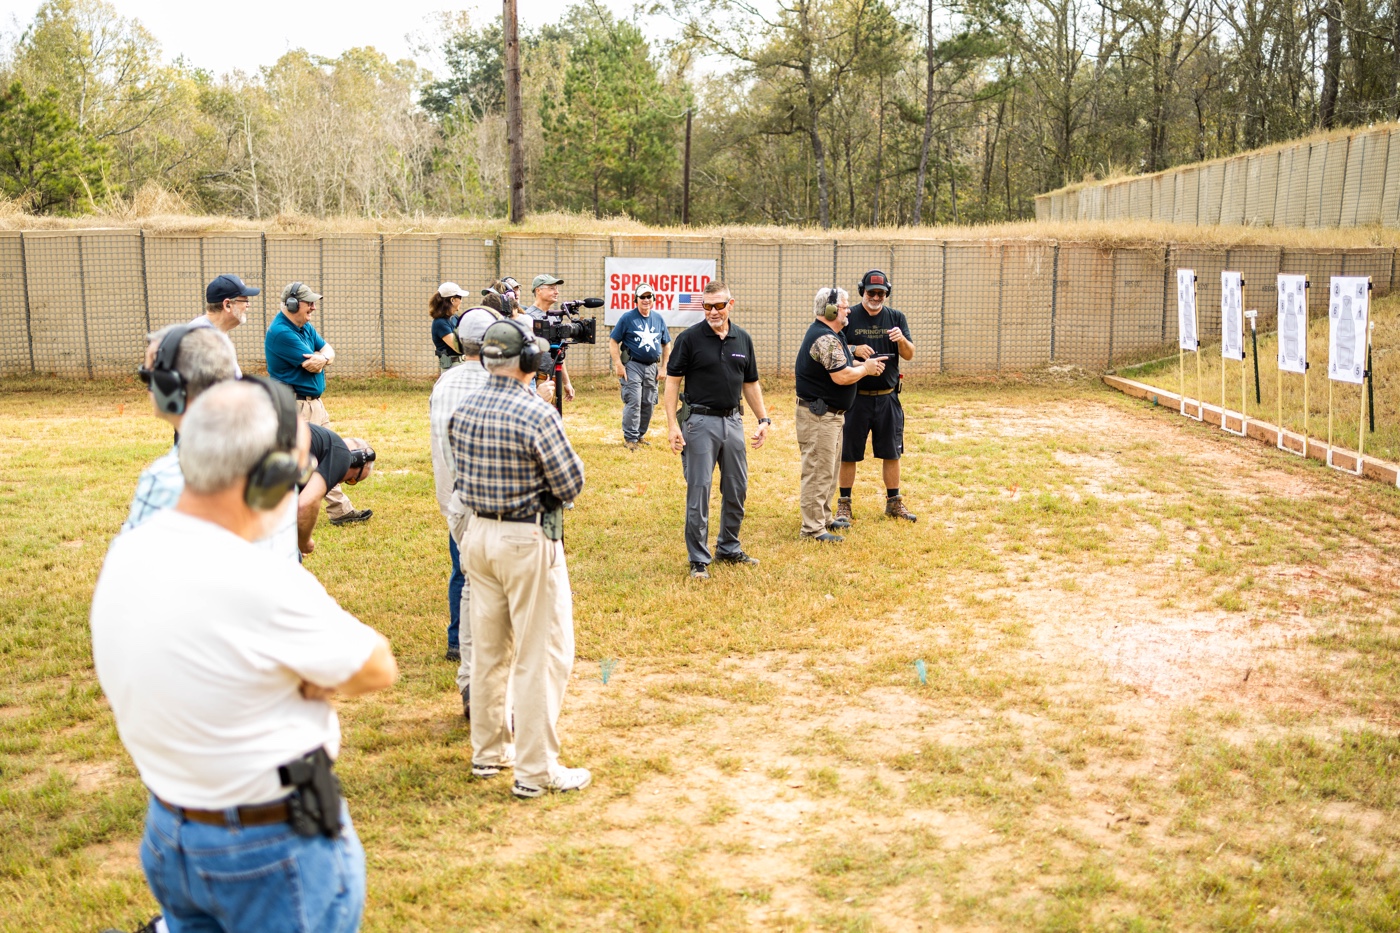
<point x="845" y="113"/>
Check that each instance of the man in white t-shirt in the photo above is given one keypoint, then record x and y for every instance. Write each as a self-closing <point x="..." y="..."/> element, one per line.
<point x="218" y="660"/>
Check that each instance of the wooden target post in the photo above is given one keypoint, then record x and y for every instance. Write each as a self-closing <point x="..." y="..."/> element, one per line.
<point x="1348" y="351"/>
<point x="1292" y="349"/>
<point x="1232" y="347"/>
<point x="1188" y="337"/>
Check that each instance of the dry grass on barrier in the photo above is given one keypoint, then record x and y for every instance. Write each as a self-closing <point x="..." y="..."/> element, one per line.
<point x="1125" y="673"/>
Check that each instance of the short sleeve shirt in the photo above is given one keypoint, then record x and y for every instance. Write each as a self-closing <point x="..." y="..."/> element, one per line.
<point x="873" y="331"/>
<point x="285" y="347"/>
<point x="332" y="456"/>
<point x="204" y="680"/>
<point x="642" y="336"/>
<point x="714" y="369"/>
<point x="443" y="327"/>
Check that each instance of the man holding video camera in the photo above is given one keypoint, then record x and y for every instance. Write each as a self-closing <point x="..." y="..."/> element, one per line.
<point x="826" y="390"/>
<point x="219" y="660"/>
<point x="716" y="359"/>
<point x="546" y="291"/>
<point x="876" y="330"/>
<point x="515" y="470"/>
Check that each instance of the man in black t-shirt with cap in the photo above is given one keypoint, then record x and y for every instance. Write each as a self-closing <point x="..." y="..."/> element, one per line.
<point x="875" y="329"/>
<point x="338" y="461"/>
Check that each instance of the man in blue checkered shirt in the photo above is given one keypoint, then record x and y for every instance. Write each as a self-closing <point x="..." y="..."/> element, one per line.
<point x="514" y="469"/>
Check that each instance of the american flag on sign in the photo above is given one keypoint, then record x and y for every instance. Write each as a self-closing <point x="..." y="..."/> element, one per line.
<point x="687" y="302"/>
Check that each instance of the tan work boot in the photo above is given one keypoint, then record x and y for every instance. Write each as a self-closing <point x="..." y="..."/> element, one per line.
<point x="843" y="511"/>
<point x="894" y="508"/>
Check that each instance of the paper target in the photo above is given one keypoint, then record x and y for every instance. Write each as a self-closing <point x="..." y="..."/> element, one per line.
<point x="1293" y="323"/>
<point x="1348" y="312"/>
<point x="1186" y="309"/>
<point x="1231" y="316"/>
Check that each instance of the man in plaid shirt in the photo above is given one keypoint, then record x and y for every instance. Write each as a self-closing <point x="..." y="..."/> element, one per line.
<point x="514" y="469"/>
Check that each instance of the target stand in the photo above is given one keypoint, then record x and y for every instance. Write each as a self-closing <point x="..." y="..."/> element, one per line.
<point x="1348" y="353"/>
<point x="1188" y="338"/>
<point x="1232" y="348"/>
<point x="1292" y="352"/>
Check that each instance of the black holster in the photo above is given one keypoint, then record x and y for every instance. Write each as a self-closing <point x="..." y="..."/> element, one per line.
<point x="818" y="406"/>
<point x="314" y="805"/>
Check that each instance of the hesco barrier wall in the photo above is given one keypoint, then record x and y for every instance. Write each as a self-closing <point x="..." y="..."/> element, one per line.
<point x="79" y="303"/>
<point x="1346" y="181"/>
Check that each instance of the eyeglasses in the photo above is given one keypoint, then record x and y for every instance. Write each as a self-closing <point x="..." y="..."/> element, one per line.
<point x="717" y="306"/>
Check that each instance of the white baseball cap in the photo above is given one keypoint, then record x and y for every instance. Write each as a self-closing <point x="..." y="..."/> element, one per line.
<point x="451" y="290"/>
<point x="472" y="325"/>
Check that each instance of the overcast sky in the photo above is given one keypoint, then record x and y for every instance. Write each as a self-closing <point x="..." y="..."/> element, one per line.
<point x="248" y="34"/>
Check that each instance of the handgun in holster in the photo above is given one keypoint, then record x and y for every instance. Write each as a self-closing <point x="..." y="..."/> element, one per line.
<point x="683" y="413"/>
<point x="314" y="806"/>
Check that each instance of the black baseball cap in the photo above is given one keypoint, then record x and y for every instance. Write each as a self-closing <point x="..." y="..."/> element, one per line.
<point x="228" y="286"/>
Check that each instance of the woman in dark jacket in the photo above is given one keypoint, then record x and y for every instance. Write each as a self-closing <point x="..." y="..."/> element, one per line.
<point x="444" y="307"/>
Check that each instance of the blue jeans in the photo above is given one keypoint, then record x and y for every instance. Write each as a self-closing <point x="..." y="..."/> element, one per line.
<point x="260" y="879"/>
<point x="638" y="399"/>
<point x="454" y="595"/>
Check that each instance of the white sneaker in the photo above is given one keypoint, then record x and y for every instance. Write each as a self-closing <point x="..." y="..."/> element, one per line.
<point x="563" y="781"/>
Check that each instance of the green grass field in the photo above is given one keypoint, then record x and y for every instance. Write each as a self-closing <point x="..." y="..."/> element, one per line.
<point x="1160" y="691"/>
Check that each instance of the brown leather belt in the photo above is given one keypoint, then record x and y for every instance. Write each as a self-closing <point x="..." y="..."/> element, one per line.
<point x="874" y="391"/>
<point x="264" y="814"/>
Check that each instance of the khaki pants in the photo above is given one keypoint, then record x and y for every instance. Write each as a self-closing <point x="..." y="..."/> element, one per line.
<point x="314" y="411"/>
<point x="819" y="441"/>
<point x="522" y="621"/>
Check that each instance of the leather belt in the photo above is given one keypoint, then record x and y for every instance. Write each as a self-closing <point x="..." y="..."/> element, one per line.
<point x="712" y="412"/>
<point x="874" y="391"/>
<point x="805" y="402"/>
<point x="306" y="398"/>
<point x="263" y="814"/>
<point x="498" y="517"/>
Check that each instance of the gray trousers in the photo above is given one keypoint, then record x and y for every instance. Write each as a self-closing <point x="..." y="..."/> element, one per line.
<point x="638" y="399"/>
<point x="710" y="440"/>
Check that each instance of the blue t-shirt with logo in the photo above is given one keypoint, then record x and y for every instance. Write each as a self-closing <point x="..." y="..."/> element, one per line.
<point x="642" y="336"/>
<point x="285" y="347"/>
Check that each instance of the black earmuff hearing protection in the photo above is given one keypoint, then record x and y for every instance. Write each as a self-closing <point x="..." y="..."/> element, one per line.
<point x="292" y="302"/>
<point x="164" y="381"/>
<point x="832" y="308"/>
<point x="279" y="470"/>
<point x="530" y="353"/>
<point x="361" y="456"/>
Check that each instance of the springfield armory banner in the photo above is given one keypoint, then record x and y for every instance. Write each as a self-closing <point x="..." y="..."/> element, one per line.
<point x="678" y="284"/>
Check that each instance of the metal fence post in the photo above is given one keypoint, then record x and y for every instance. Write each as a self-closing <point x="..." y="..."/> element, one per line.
<point x="145" y="283"/>
<point x="1001" y="289"/>
<point x="82" y="289"/>
<point x="943" y="305"/>
<point x="383" y="353"/>
<point x="1112" y="299"/>
<point x="1054" y="294"/>
<point x="24" y="276"/>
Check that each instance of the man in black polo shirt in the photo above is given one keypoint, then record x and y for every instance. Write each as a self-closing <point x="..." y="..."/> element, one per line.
<point x="716" y="360"/>
<point x="826" y="389"/>
<point x="337" y="461"/>
<point x="876" y="330"/>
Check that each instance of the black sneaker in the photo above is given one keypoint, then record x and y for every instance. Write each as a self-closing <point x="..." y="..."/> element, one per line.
<point x="453" y="654"/>
<point x="358" y="515"/>
<point x="738" y="557"/>
<point x="699" y="571"/>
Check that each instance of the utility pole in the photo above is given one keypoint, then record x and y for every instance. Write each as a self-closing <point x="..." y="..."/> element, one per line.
<point x="685" y="198"/>
<point x="514" y="143"/>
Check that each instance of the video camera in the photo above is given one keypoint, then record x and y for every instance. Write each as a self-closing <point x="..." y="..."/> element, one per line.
<point x="564" y="325"/>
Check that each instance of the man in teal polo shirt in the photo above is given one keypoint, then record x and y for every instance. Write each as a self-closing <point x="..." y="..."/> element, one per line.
<point x="297" y="357"/>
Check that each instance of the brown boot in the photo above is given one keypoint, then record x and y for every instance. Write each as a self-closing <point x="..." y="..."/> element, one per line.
<point x="843" y="511"/>
<point x="894" y="508"/>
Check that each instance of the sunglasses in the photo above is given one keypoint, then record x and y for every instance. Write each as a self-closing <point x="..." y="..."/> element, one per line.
<point x="716" y="306"/>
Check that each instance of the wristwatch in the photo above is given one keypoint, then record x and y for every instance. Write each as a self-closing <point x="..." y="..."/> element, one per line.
<point x="765" y="421"/>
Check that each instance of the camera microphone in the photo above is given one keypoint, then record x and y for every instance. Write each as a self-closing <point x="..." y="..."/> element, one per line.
<point x="592" y="302"/>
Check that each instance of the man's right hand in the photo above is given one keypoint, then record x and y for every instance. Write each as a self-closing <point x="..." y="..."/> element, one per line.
<point x="677" y="438"/>
<point x="873" y="367"/>
<point x="620" y="370"/>
<point x="863" y="351"/>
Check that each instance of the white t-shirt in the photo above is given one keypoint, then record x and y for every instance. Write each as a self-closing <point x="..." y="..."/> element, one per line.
<point x="201" y="642"/>
<point x="203" y="321"/>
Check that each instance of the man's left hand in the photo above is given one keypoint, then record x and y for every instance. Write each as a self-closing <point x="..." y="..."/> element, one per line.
<point x="760" y="436"/>
<point x="314" y="362"/>
<point x="897" y="335"/>
<point x="568" y="391"/>
<point x="546" y="390"/>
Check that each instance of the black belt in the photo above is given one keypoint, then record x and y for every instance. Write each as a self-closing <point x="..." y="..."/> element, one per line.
<point x="874" y="391"/>
<point x="306" y="398"/>
<point x="264" y="814"/>
<point x="533" y="519"/>
<point x="713" y="412"/>
<point x="806" y="402"/>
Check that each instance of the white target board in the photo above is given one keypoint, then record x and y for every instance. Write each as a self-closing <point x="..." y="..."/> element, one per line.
<point x="1348" y="311"/>
<point x="1231" y="316"/>
<point x="1186" y="309"/>
<point x="1293" y="323"/>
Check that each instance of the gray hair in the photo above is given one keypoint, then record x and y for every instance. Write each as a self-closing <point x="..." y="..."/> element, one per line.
<point x="471" y="348"/>
<point x="501" y="364"/>
<point x="205" y="356"/>
<point x="819" y="303"/>
<point x="224" y="434"/>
